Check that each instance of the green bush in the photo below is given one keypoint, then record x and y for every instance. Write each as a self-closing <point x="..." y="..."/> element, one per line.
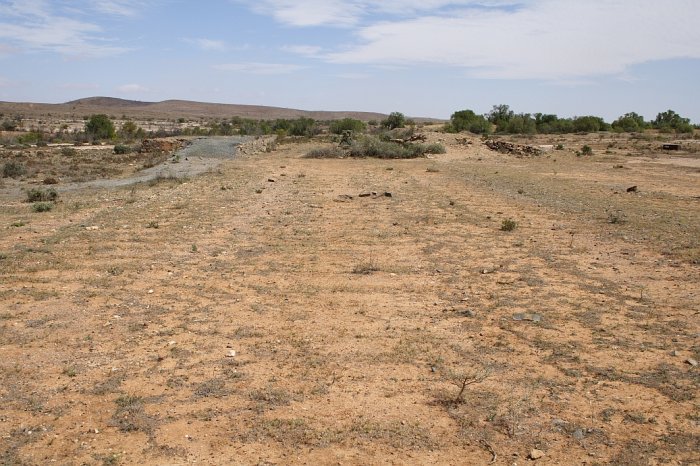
<point x="509" y="225"/>
<point x="42" y="206"/>
<point x="100" y="127"/>
<point x="394" y="120"/>
<point x="629" y="123"/>
<point x="38" y="194"/>
<point x="467" y="120"/>
<point x="586" y="150"/>
<point x="122" y="149"/>
<point x="347" y="124"/>
<point x="13" y="169"/>
<point x="433" y="148"/>
<point x="670" y="121"/>
<point x="325" y="153"/>
<point x="68" y="151"/>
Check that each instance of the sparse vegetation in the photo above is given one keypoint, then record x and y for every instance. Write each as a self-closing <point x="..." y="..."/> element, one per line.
<point x="39" y="194"/>
<point x="42" y="206"/>
<point x="508" y="225"/>
<point x="100" y="127"/>
<point x="13" y="169"/>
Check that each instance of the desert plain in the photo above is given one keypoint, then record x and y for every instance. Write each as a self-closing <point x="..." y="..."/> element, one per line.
<point x="471" y="307"/>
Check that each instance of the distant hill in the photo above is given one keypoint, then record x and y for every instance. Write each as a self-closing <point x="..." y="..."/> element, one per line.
<point x="170" y="109"/>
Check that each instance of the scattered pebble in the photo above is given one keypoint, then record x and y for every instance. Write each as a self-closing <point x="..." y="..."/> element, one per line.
<point x="536" y="454"/>
<point x="692" y="362"/>
<point x="231" y="354"/>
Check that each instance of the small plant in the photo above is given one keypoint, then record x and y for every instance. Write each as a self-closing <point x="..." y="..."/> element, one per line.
<point x="509" y="225"/>
<point x="559" y="147"/>
<point x="13" y="169"/>
<point x="325" y="153"/>
<point x="152" y="224"/>
<point x="122" y="149"/>
<point x="70" y="372"/>
<point x="366" y="267"/>
<point x="42" y="206"/>
<point x="38" y="195"/>
<point x="68" y="151"/>
<point x="616" y="217"/>
<point x="193" y="248"/>
<point x="586" y="150"/>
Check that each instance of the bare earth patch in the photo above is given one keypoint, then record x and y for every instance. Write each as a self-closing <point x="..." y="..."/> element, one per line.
<point x="264" y="313"/>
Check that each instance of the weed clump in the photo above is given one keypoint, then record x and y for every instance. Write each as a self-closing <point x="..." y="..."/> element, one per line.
<point x="40" y="195"/>
<point x="42" y="206"/>
<point x="509" y="225"/>
<point x="13" y="169"/>
<point x="121" y="149"/>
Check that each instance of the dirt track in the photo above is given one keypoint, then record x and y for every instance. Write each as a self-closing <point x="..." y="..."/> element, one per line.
<point x="354" y="320"/>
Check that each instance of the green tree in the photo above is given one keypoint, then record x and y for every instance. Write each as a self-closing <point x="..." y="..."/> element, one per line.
<point x="100" y="127"/>
<point x="671" y="121"/>
<point x="500" y="115"/>
<point x="395" y="120"/>
<point x="130" y="130"/>
<point x="467" y="120"/>
<point x="629" y="123"/>
<point x="347" y="124"/>
<point x="589" y="124"/>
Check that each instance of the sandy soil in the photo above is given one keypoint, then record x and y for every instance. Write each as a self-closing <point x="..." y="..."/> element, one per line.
<point x="265" y="313"/>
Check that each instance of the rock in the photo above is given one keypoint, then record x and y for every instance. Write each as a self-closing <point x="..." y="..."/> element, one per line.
<point x="514" y="149"/>
<point x="536" y="454"/>
<point x="344" y="198"/>
<point x="364" y="194"/>
<point x="527" y="316"/>
<point x="467" y="313"/>
<point x="578" y="434"/>
<point x="692" y="362"/>
<point x="387" y="194"/>
<point x="632" y="189"/>
<point x="271" y="180"/>
<point x="231" y="354"/>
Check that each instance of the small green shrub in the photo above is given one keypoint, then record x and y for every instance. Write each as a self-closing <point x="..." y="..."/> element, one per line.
<point x="122" y="149"/>
<point x="68" y="151"/>
<point x="13" y="169"/>
<point x="433" y="148"/>
<point x="325" y="153"/>
<point x="509" y="225"/>
<point x="586" y="150"/>
<point x="38" y="195"/>
<point x="42" y="206"/>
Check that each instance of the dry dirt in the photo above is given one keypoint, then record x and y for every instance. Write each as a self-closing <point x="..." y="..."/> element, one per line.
<point x="264" y="313"/>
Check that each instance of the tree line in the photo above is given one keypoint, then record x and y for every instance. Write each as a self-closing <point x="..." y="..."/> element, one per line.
<point x="501" y="119"/>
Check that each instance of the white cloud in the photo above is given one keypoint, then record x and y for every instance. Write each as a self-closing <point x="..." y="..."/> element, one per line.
<point x="345" y="13"/>
<point x="131" y="88"/>
<point x="117" y="7"/>
<point x="35" y="25"/>
<point x="549" y="40"/>
<point x="259" y="68"/>
<point x="528" y="39"/>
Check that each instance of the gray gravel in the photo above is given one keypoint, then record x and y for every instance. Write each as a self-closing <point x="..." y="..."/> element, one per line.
<point x="200" y="156"/>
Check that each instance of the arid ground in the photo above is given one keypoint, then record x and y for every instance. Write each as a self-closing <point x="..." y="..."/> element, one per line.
<point x="266" y="313"/>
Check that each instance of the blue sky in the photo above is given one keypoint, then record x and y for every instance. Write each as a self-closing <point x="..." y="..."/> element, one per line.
<point x="420" y="57"/>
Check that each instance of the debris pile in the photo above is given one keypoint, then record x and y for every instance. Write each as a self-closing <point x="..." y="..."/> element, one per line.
<point x="162" y="145"/>
<point x="510" y="148"/>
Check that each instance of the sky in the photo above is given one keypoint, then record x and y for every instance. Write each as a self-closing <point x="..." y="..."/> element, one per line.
<point x="424" y="58"/>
